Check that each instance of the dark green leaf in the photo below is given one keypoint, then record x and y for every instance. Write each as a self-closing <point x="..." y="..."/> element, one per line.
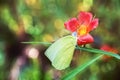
<point x="80" y="68"/>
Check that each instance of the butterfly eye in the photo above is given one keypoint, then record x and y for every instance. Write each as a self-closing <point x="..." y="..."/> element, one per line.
<point x="74" y="34"/>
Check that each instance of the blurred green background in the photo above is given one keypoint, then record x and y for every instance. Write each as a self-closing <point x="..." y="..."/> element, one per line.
<point x="43" y="21"/>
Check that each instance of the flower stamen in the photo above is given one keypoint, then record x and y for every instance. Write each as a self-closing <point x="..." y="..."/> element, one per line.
<point x="82" y="30"/>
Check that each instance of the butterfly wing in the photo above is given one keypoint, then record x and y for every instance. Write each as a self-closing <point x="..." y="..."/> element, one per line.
<point x="60" y="53"/>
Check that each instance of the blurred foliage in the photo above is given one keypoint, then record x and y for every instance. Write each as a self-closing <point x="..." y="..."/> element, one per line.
<point x="43" y="21"/>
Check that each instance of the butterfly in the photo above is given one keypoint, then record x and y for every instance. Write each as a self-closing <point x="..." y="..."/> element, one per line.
<point x="60" y="53"/>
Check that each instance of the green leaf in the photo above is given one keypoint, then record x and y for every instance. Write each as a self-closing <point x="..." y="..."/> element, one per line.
<point x="80" y="68"/>
<point x="43" y="43"/>
<point x="99" y="51"/>
<point x="61" y="52"/>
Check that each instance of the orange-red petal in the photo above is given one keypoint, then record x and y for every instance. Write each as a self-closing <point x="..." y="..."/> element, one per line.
<point x="108" y="48"/>
<point x="71" y="25"/>
<point x="85" y="39"/>
<point x="93" y="24"/>
<point x="84" y="18"/>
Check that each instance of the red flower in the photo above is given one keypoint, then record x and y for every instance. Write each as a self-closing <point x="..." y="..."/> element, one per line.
<point x="82" y="26"/>
<point x="108" y="49"/>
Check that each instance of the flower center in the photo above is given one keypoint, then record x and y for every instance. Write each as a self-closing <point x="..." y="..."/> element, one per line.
<point x="82" y="30"/>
